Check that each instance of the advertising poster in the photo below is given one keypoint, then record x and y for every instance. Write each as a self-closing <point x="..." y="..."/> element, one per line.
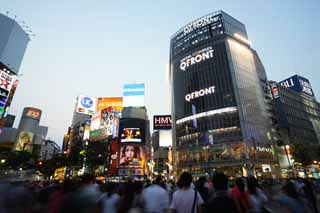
<point x="133" y="95"/>
<point x="114" y="102"/>
<point x="131" y="135"/>
<point x="24" y="142"/>
<point x="86" y="105"/>
<point x="95" y="121"/>
<point x="132" y="156"/>
<point x="114" y="158"/>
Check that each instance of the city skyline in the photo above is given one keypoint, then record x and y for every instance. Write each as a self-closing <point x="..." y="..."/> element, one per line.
<point x="122" y="38"/>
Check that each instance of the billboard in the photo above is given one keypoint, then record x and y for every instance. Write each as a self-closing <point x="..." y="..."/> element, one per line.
<point x="165" y="138"/>
<point x="133" y="95"/>
<point x="114" y="102"/>
<point x="162" y="122"/>
<point x="95" y="121"/>
<point x="132" y="156"/>
<point x="24" y="142"/>
<point x="86" y="105"/>
<point x="98" y="134"/>
<point x="6" y="82"/>
<point x="110" y="121"/>
<point x="131" y="135"/>
<point x="298" y="84"/>
<point x="33" y="113"/>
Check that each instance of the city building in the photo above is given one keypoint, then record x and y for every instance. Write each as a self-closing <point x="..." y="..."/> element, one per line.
<point x="50" y="149"/>
<point x="219" y="115"/>
<point x="296" y="117"/>
<point x="13" y="44"/>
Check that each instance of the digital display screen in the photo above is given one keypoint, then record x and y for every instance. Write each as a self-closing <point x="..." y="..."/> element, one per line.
<point x="131" y="156"/>
<point x="131" y="135"/>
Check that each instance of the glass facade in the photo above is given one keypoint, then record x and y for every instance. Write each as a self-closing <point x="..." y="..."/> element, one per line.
<point x="218" y="111"/>
<point x="13" y="43"/>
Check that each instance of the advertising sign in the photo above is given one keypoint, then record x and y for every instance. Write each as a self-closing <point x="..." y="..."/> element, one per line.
<point x="131" y="135"/>
<point x="133" y="95"/>
<point x="114" y="102"/>
<point x="165" y="138"/>
<point x="6" y="82"/>
<point x="98" y="134"/>
<point x="114" y="158"/>
<point x="95" y="121"/>
<point x="196" y="57"/>
<point x="24" y="142"/>
<point x="162" y="122"/>
<point x="86" y="105"/>
<point x="33" y="113"/>
<point x="132" y="156"/>
<point x="298" y="84"/>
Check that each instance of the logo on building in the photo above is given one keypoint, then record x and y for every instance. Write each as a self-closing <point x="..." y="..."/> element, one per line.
<point x="32" y="113"/>
<point x="86" y="102"/>
<point x="196" y="57"/>
<point x="162" y="122"/>
<point x="200" y="93"/>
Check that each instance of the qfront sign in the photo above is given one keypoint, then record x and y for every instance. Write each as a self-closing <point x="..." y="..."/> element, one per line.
<point x="162" y="122"/>
<point x="196" y="57"/>
<point x="200" y="93"/>
<point x="298" y="84"/>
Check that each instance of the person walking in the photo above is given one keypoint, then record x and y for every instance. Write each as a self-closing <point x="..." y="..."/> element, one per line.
<point x="220" y="200"/>
<point x="155" y="197"/>
<point x="186" y="199"/>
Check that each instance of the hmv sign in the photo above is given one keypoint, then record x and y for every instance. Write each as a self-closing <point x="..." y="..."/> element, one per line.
<point x="162" y="122"/>
<point x="298" y="84"/>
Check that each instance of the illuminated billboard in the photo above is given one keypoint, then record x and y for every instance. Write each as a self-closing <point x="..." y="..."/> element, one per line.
<point x="86" y="105"/>
<point x="298" y="84"/>
<point x="6" y="82"/>
<point x="165" y="138"/>
<point x="133" y="95"/>
<point x="131" y="135"/>
<point x="95" y="121"/>
<point x="162" y="122"/>
<point x="24" y="142"/>
<point x="31" y="112"/>
<point x="132" y="156"/>
<point x="114" y="102"/>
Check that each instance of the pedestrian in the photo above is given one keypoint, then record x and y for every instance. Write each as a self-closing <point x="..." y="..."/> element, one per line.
<point x="186" y="199"/>
<point x="220" y="200"/>
<point x="155" y="197"/>
<point x="240" y="196"/>
<point x="257" y="197"/>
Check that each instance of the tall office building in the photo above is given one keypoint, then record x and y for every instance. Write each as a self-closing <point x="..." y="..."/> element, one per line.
<point x="296" y="117"/>
<point x="218" y="105"/>
<point x="13" y="44"/>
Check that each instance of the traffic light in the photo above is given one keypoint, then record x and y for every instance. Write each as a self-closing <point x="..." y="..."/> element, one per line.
<point x="39" y="163"/>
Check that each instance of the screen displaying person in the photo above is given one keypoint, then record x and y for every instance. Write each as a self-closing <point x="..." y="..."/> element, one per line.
<point x="131" y="155"/>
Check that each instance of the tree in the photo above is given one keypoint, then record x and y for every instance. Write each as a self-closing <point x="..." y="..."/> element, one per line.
<point x="300" y="154"/>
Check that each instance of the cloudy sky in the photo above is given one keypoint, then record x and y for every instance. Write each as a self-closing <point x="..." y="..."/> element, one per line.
<point x="93" y="47"/>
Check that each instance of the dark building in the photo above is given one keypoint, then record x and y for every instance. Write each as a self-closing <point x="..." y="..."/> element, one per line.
<point x="296" y="113"/>
<point x="219" y="114"/>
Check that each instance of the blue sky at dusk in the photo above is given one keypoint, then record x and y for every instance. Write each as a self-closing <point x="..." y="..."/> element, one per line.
<point x="94" y="47"/>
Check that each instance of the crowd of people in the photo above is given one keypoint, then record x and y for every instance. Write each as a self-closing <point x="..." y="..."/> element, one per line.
<point x="215" y="194"/>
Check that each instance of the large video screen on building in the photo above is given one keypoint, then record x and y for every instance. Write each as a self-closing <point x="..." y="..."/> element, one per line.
<point x="132" y="156"/>
<point x="131" y="135"/>
<point x="25" y="141"/>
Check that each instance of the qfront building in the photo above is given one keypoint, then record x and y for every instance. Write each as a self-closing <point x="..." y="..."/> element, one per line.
<point x="219" y="114"/>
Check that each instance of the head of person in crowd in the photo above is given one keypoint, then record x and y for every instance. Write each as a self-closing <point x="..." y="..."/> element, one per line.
<point x="201" y="182"/>
<point x="185" y="180"/>
<point x="88" y="179"/>
<point x="252" y="184"/>
<point x="240" y="184"/>
<point x="220" y="181"/>
<point x="290" y="190"/>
